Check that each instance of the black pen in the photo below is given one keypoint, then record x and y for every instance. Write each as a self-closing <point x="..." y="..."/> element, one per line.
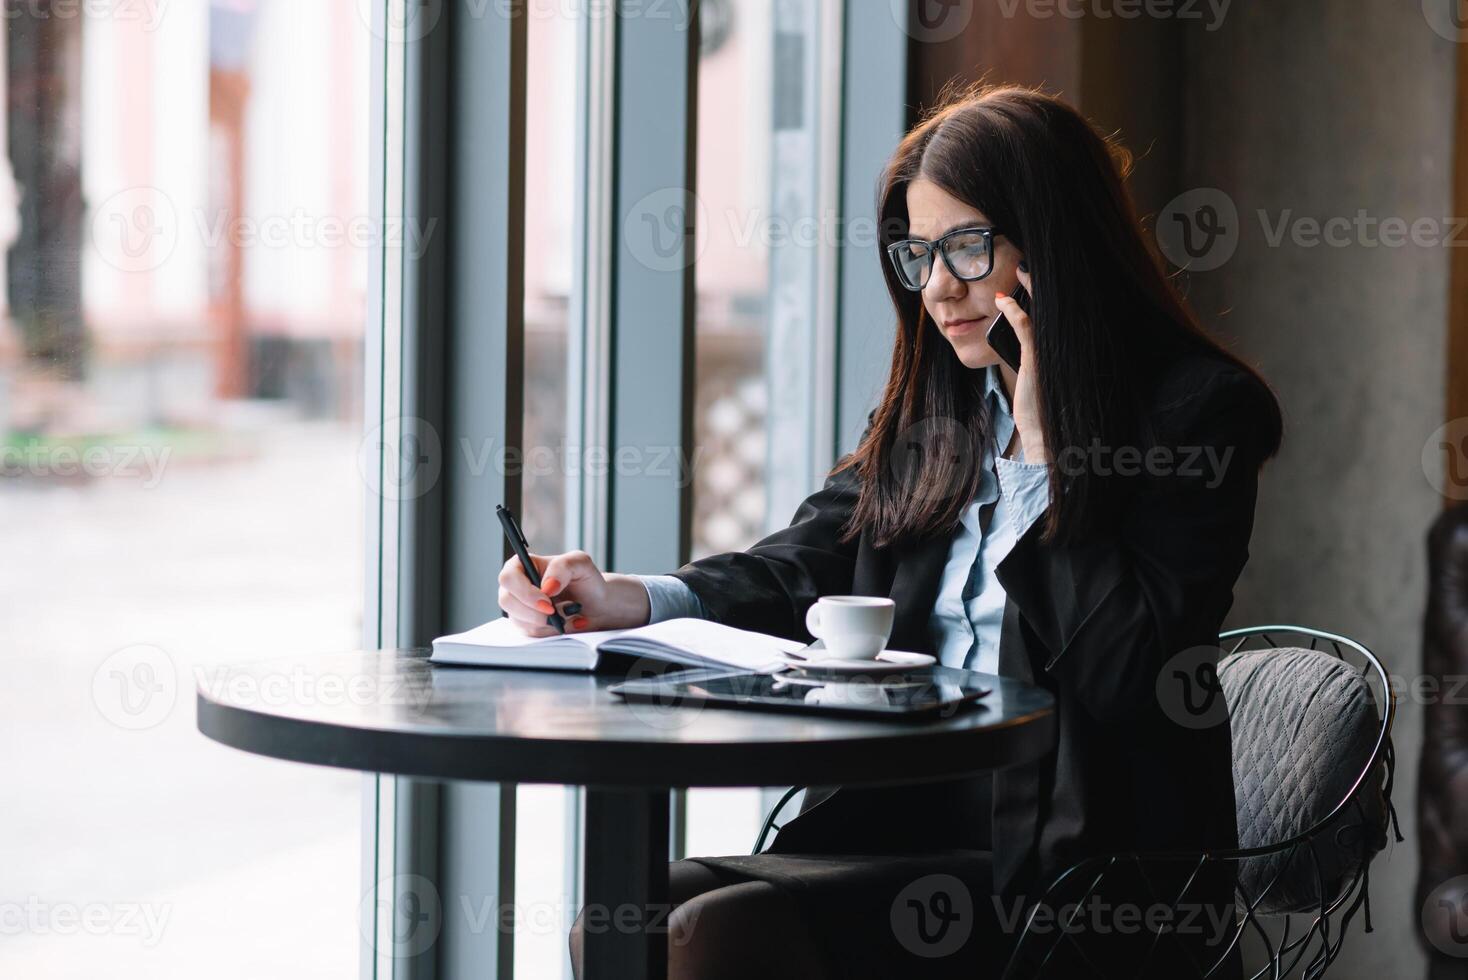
<point x="522" y="551"/>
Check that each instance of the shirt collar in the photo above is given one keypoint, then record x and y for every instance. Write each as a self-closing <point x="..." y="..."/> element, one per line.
<point x="999" y="412"/>
<point x="994" y="389"/>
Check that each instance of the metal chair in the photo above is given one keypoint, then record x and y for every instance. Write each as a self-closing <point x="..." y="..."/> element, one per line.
<point x="1316" y="867"/>
<point x="769" y="824"/>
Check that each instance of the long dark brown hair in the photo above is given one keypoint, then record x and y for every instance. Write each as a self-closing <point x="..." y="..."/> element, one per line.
<point x="1106" y="317"/>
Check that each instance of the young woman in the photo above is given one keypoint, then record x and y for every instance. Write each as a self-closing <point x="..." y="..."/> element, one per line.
<point x="1077" y="524"/>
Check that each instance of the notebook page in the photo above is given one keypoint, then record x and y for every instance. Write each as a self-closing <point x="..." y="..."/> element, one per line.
<point x="500" y="643"/>
<point x="502" y="632"/>
<point x="724" y="645"/>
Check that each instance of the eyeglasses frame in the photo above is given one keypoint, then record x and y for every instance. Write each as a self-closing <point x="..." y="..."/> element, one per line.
<point x="938" y="247"/>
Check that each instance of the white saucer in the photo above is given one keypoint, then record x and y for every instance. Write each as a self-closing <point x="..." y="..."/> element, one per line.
<point x="887" y="659"/>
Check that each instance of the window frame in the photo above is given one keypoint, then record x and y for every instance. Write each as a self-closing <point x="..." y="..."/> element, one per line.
<point x="448" y="345"/>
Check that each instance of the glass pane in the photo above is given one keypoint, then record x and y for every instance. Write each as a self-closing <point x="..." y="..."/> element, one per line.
<point x="763" y="78"/>
<point x="735" y="183"/>
<point x="184" y="238"/>
<point x="545" y="865"/>
<point x="550" y="186"/>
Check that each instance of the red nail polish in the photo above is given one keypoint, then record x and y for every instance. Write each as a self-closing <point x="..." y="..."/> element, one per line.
<point x="550" y="586"/>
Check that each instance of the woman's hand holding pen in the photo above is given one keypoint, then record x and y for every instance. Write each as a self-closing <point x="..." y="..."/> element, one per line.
<point x="1025" y="405"/>
<point x="572" y="585"/>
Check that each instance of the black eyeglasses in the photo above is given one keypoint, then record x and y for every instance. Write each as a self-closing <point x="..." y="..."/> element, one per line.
<point x="968" y="253"/>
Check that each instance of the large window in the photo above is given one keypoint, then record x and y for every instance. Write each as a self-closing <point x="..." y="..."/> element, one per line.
<point x="251" y="250"/>
<point x="766" y="183"/>
<point x="769" y="81"/>
<point x="184" y="236"/>
<point x="550" y="481"/>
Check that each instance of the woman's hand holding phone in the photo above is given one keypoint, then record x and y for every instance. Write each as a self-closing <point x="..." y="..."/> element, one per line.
<point x="1025" y="404"/>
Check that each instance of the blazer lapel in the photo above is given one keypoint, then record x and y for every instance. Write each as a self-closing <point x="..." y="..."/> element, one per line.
<point x="915" y="592"/>
<point x="1016" y="813"/>
<point x="1064" y="585"/>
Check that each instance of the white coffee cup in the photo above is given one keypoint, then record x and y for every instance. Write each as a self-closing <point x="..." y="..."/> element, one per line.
<point x="852" y="627"/>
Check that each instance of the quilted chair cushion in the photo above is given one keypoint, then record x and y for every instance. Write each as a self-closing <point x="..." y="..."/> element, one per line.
<point x="1304" y="725"/>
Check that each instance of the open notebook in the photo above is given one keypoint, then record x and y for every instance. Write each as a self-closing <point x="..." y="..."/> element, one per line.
<point x="692" y="642"/>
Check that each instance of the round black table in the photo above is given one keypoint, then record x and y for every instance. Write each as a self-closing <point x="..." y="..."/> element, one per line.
<point x="390" y="711"/>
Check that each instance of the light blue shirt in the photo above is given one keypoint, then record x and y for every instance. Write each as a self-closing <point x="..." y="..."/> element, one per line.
<point x="965" y="622"/>
<point x="969" y="611"/>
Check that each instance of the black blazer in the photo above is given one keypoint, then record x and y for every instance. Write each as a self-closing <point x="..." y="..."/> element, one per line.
<point x="1094" y="624"/>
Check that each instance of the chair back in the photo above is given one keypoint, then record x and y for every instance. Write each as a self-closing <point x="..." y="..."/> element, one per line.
<point x="1305" y="731"/>
<point x="1313" y="763"/>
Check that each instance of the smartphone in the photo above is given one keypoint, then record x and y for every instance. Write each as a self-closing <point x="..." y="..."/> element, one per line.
<point x="1001" y="336"/>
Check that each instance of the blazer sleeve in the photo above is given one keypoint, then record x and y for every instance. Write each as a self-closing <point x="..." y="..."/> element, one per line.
<point x="769" y="586"/>
<point x="1112" y="611"/>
